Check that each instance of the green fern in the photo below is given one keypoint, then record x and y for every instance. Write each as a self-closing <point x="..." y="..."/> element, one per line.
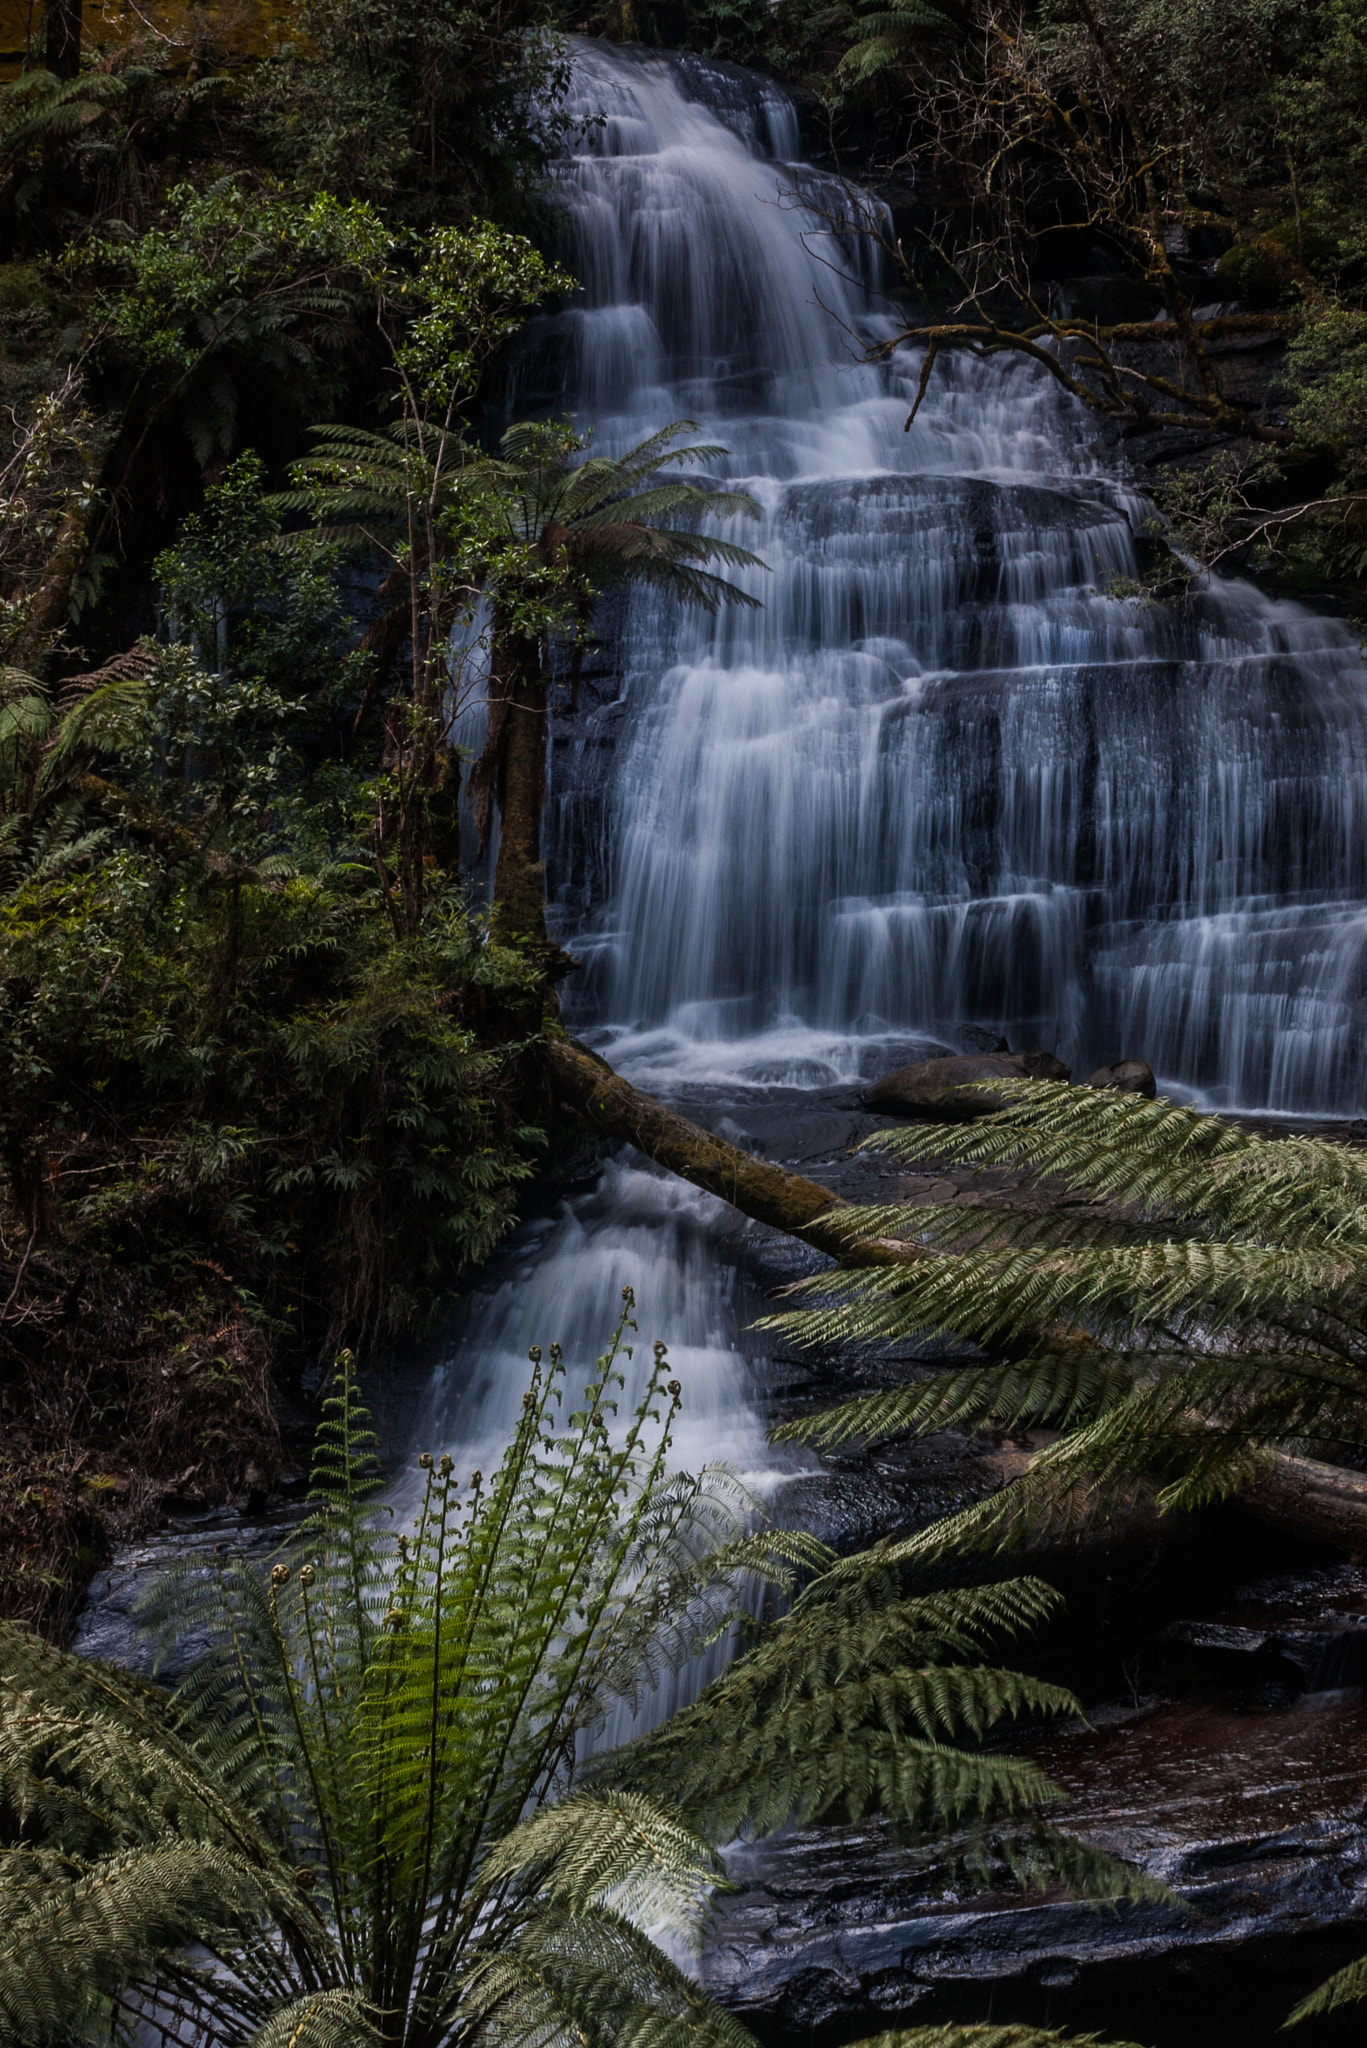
<point x="1204" y="1303"/>
<point x="888" y="33"/>
<point x="365" y="1815"/>
<point x="1198" y="1303"/>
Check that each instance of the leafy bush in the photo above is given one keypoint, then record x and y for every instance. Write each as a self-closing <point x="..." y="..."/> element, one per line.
<point x="247" y="1116"/>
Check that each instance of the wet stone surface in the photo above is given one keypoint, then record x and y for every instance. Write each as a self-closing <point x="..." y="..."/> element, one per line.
<point x="1255" y="1820"/>
<point x="108" y="1626"/>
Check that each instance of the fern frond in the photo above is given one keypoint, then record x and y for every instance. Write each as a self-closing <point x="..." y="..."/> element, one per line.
<point x="1215" y="1310"/>
<point x="115" y="1923"/>
<point x="320" y="2019"/>
<point x="616" y="1849"/>
<point x="593" y="1977"/>
<point x="1049" y="1387"/>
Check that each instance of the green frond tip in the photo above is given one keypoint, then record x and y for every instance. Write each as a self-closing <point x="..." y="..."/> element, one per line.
<point x="617" y="1849"/>
<point x="322" y="2019"/>
<point x="1347" y="1986"/>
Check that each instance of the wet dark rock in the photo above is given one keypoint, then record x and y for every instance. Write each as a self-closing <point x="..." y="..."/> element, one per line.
<point x="1254" y="1820"/>
<point x="974" y="1039"/>
<point x="1127" y="1077"/>
<point x="944" y="1090"/>
<point x="108" y="1626"/>
<point x="1301" y="1632"/>
<point x="1043" y="1066"/>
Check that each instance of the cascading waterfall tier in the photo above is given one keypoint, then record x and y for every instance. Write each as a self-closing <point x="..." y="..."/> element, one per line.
<point x="943" y="780"/>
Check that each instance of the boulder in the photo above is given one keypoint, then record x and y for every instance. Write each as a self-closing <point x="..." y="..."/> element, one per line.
<point x="1042" y="1066"/>
<point x="975" y="1039"/>
<point x="1127" y="1077"/>
<point x="943" y="1090"/>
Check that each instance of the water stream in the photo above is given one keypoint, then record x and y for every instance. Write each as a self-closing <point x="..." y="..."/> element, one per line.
<point x="943" y="783"/>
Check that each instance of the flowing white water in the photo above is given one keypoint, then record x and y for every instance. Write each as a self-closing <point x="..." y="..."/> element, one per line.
<point x="941" y="781"/>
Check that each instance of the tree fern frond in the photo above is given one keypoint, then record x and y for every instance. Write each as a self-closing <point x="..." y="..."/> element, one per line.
<point x="112" y="1924"/>
<point x="593" y="1976"/>
<point x="369" y="1803"/>
<point x="1051" y="1386"/>
<point x="614" y="1848"/>
<point x="1347" y="1986"/>
<point x="320" y="2019"/>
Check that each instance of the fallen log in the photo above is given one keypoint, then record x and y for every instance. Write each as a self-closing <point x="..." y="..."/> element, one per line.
<point x="1302" y="1496"/>
<point x="1324" y="1503"/>
<point x="768" y="1193"/>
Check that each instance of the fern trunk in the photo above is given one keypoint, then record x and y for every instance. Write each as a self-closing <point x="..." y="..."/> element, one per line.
<point x="519" y="878"/>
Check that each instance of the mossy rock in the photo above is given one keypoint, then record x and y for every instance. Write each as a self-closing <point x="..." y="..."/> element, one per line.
<point x="1251" y="274"/>
<point x="22" y="287"/>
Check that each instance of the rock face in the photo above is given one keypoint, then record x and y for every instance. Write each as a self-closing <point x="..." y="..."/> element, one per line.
<point x="1127" y="1077"/>
<point x="943" y="1090"/>
<point x="1254" y="1819"/>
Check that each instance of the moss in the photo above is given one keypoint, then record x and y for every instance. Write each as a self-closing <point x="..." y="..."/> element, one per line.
<point x="1252" y="275"/>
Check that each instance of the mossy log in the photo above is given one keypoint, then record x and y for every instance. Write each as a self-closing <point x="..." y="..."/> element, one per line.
<point x="1302" y="1496"/>
<point x="1323" y="1503"/>
<point x="768" y="1193"/>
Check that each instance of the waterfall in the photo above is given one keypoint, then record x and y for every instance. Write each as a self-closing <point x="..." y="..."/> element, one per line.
<point x="943" y="783"/>
<point x="943" y="780"/>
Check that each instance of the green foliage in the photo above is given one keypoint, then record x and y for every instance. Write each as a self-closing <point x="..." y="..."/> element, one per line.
<point x="431" y="108"/>
<point x="236" y="296"/>
<point x="1328" y="362"/>
<point x="615" y="520"/>
<point x="534" y="533"/>
<point x="883" y="35"/>
<point x="224" y="1051"/>
<point x="362" y="1817"/>
<point x="216" y="253"/>
<point x="1199" y="1303"/>
<point x="75" y="152"/>
<point x="540" y="527"/>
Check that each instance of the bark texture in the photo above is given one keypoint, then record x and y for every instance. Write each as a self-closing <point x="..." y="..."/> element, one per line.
<point x="1325" y="1503"/>
<point x="768" y="1193"/>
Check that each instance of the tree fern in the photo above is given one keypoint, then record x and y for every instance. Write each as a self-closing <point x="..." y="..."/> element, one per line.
<point x="885" y="34"/>
<point x="369" y="1815"/>
<point x="1197" y="1301"/>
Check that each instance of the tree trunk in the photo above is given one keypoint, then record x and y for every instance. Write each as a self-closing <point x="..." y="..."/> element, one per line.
<point x="520" y="878"/>
<point x="62" y="47"/>
<point x="50" y="606"/>
<point x="768" y="1193"/>
<point x="1326" y="1503"/>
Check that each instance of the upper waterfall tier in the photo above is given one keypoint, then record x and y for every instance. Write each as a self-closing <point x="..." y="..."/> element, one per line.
<point x="943" y="779"/>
